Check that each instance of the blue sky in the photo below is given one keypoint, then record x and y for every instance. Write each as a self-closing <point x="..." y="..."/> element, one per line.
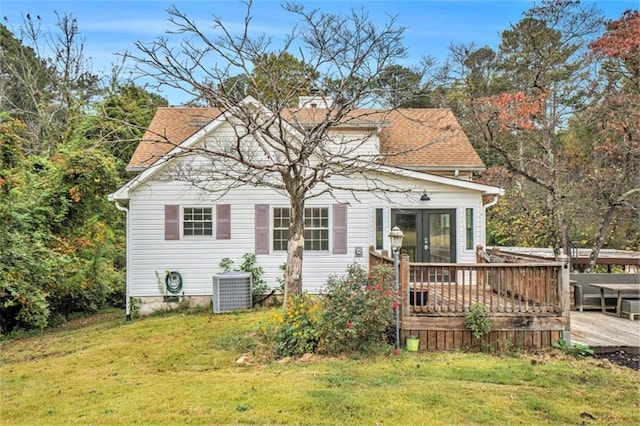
<point x="110" y="27"/>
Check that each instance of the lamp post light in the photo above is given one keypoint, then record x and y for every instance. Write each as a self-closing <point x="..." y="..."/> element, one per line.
<point x="396" y="236"/>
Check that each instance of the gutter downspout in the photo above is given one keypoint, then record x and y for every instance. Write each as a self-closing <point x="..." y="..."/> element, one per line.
<point x="127" y="262"/>
<point x="484" y="213"/>
<point x="491" y="203"/>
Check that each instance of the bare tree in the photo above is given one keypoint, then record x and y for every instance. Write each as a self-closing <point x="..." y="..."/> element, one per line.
<point x="293" y="151"/>
<point x="45" y="79"/>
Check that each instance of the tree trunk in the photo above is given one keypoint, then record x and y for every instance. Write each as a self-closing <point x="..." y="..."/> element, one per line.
<point x="295" y="251"/>
<point x="605" y="225"/>
<point x="565" y="237"/>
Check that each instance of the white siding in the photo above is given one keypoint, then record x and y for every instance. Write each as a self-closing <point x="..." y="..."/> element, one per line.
<point x="197" y="258"/>
<point x="355" y="143"/>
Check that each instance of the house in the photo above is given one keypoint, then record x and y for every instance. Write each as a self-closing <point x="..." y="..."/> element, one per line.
<point x="175" y="225"/>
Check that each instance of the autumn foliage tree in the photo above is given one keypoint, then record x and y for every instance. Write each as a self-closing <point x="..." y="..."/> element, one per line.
<point x="612" y="142"/>
<point x="516" y="103"/>
<point x="61" y="240"/>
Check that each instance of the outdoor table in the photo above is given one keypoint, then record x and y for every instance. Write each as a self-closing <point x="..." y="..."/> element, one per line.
<point x="620" y="288"/>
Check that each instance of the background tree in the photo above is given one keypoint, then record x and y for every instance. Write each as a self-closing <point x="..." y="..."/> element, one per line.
<point x="403" y="87"/>
<point x="120" y="119"/>
<point x="516" y="103"/>
<point x="292" y="76"/>
<point x="611" y="143"/>
<point x="47" y="81"/>
<point x="24" y="79"/>
<point x="342" y="56"/>
<point x="62" y="242"/>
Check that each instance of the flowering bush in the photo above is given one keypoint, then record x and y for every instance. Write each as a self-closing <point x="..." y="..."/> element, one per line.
<point x="267" y="335"/>
<point x="354" y="314"/>
<point x="294" y="331"/>
<point x="357" y="310"/>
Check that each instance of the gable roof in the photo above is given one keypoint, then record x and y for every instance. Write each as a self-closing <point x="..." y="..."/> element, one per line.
<point x="169" y="127"/>
<point x="417" y="139"/>
<point x="163" y="140"/>
<point x="427" y="139"/>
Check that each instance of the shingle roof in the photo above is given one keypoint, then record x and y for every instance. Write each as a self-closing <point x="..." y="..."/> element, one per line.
<point x="169" y="127"/>
<point x="427" y="138"/>
<point x="419" y="139"/>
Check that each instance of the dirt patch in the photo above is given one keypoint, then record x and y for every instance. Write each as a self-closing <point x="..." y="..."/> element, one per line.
<point x="87" y="320"/>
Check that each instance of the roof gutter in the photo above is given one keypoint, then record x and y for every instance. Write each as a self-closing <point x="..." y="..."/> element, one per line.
<point x="127" y="260"/>
<point x="492" y="202"/>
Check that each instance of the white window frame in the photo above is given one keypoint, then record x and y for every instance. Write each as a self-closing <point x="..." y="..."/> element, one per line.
<point x="469" y="226"/>
<point x="203" y="220"/>
<point x="282" y="229"/>
<point x="317" y="230"/>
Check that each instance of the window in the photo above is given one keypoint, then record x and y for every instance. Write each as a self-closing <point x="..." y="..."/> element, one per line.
<point x="379" y="229"/>
<point x="197" y="221"/>
<point x="280" y="228"/>
<point x="316" y="228"/>
<point x="316" y="232"/>
<point x="469" y="228"/>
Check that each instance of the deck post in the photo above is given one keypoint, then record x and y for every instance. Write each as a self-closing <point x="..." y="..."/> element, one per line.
<point x="565" y="294"/>
<point x="404" y="285"/>
<point x="373" y="260"/>
<point x="479" y="250"/>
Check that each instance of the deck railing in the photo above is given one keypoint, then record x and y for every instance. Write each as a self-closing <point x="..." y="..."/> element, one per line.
<point x="450" y="289"/>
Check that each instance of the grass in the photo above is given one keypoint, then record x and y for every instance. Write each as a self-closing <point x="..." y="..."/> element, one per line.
<point x="181" y="369"/>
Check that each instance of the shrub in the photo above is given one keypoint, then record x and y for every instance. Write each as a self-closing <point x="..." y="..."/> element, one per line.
<point x="357" y="310"/>
<point x="249" y="264"/>
<point x="353" y="314"/>
<point x="297" y="332"/>
<point x="22" y="305"/>
<point x="477" y="320"/>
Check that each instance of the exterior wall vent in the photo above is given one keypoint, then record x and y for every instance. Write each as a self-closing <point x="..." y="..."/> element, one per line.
<point x="314" y="102"/>
<point x="232" y="292"/>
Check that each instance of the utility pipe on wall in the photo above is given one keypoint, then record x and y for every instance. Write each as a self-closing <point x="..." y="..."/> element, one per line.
<point x="127" y="308"/>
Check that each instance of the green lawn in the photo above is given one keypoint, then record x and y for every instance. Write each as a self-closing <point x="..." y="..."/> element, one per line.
<point x="181" y="369"/>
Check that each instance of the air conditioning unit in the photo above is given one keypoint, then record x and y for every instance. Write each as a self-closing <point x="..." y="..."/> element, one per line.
<point x="232" y="292"/>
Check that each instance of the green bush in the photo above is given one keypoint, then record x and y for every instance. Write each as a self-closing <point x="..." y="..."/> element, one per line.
<point x="357" y="310"/>
<point x="59" y="237"/>
<point x="353" y="314"/>
<point x="297" y="333"/>
<point x="22" y="305"/>
<point x="477" y="320"/>
<point x="249" y="264"/>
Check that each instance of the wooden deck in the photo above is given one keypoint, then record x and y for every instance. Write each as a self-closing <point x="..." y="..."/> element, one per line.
<point x="605" y="332"/>
<point x="528" y="303"/>
<point x="437" y="300"/>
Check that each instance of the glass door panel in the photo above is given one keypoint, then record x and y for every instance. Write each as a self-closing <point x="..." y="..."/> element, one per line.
<point x="429" y="235"/>
<point x="439" y="231"/>
<point x="407" y="222"/>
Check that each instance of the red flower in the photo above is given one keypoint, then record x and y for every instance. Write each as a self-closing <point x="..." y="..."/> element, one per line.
<point x="396" y="351"/>
<point x="378" y="287"/>
<point x="395" y="304"/>
<point x="369" y="276"/>
<point x="349" y="324"/>
<point x="369" y="288"/>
